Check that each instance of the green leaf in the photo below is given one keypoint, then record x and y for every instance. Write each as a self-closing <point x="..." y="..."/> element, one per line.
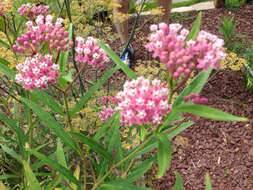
<point x="32" y="182"/>
<point x="6" y="70"/>
<point x="68" y="77"/>
<point x="105" y="127"/>
<point x="153" y="144"/>
<point x="76" y="174"/>
<point x="140" y="170"/>
<point x="4" y="44"/>
<point x="64" y="171"/>
<point x="52" y="156"/>
<point x="11" y="152"/>
<point x="8" y="176"/>
<point x="51" y="123"/>
<point x="12" y="124"/>
<point x="194" y="87"/>
<point x="195" y="29"/>
<point x="164" y="154"/>
<point x="179" y="182"/>
<point x="60" y="154"/>
<point x="93" y="89"/>
<point x="48" y="101"/>
<point x="142" y="132"/>
<point x="211" y="113"/>
<point x="93" y="144"/>
<point x="4" y="61"/>
<point x="121" y="185"/>
<point x="113" y="141"/>
<point x="208" y="182"/>
<point x="63" y="59"/>
<point x="129" y="72"/>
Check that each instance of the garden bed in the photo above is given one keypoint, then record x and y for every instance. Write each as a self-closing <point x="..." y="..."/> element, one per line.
<point x="224" y="149"/>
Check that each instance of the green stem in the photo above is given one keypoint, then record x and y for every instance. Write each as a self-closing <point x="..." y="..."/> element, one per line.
<point x="67" y="110"/>
<point x="122" y="161"/>
<point x="73" y="48"/>
<point x="133" y="29"/>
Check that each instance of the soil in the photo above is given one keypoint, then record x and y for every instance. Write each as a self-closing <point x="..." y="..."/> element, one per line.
<point x="223" y="149"/>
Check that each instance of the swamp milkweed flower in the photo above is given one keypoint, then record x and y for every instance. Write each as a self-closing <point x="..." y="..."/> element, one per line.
<point x="141" y="102"/>
<point x="44" y="30"/>
<point x="37" y="72"/>
<point x="31" y="11"/>
<point x="168" y="43"/>
<point x="90" y="52"/>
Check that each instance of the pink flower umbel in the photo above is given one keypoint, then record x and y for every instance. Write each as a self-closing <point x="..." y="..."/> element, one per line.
<point x="141" y="102"/>
<point x="168" y="43"/>
<point x="37" y="71"/>
<point x="90" y="52"/>
<point x="44" y="31"/>
<point x="31" y="11"/>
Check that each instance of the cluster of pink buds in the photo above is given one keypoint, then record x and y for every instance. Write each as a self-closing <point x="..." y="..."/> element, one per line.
<point x="31" y="11"/>
<point x="37" y="71"/>
<point x="181" y="57"/>
<point x="196" y="99"/>
<point x="105" y="100"/>
<point x="90" y="52"/>
<point x="141" y="102"/>
<point x="44" y="30"/>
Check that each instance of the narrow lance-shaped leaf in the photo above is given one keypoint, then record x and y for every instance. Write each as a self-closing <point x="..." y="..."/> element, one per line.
<point x="179" y="182"/>
<point x="32" y="182"/>
<point x="51" y="123"/>
<point x="76" y="174"/>
<point x="64" y="171"/>
<point x="129" y="72"/>
<point x="153" y="144"/>
<point x="4" y="44"/>
<point x="48" y="101"/>
<point x="6" y="70"/>
<point x="211" y="113"/>
<point x="63" y="59"/>
<point x="195" y="29"/>
<point x="11" y="152"/>
<point x="60" y="154"/>
<point x="194" y="87"/>
<point x="139" y="170"/>
<point x="93" y="144"/>
<point x="164" y="154"/>
<point x="93" y="89"/>
<point x="208" y="182"/>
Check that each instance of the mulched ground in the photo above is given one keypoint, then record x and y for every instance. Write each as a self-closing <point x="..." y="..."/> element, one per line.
<point x="224" y="149"/>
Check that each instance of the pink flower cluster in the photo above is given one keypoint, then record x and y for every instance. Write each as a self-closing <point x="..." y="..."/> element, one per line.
<point x="141" y="102"/>
<point x="90" y="52"/>
<point x="31" y="11"/>
<point x="37" y="71"/>
<point x="196" y="99"/>
<point x="43" y="31"/>
<point x="168" y="43"/>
